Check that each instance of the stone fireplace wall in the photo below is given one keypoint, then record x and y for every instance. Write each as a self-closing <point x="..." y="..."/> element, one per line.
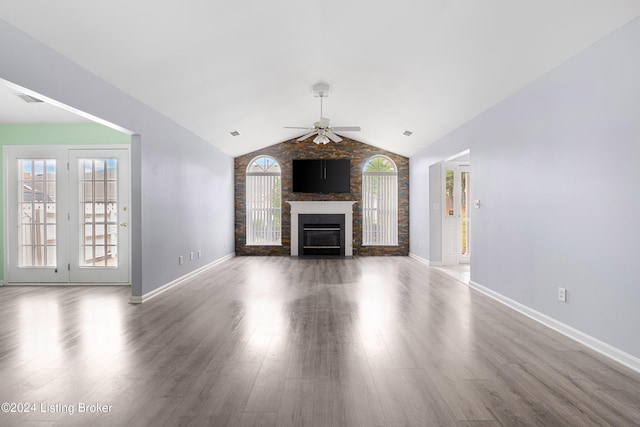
<point x="284" y="153"/>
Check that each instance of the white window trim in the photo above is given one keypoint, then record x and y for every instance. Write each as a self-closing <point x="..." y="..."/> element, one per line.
<point x="389" y="209"/>
<point x="266" y="211"/>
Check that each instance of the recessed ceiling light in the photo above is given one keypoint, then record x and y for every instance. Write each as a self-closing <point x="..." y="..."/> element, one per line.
<point x="407" y="133"/>
<point x="234" y="133"/>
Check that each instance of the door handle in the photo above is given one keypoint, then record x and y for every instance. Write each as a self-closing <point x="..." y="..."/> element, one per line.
<point x="123" y="224"/>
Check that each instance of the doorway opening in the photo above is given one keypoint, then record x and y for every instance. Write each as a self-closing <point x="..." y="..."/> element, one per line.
<point x="65" y="193"/>
<point x="456" y="218"/>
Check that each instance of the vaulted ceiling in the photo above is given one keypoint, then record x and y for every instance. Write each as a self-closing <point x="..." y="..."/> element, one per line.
<point x="427" y="66"/>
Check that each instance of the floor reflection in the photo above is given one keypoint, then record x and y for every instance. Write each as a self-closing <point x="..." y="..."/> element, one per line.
<point x="38" y="334"/>
<point x="461" y="272"/>
<point x="280" y="341"/>
<point x="65" y="330"/>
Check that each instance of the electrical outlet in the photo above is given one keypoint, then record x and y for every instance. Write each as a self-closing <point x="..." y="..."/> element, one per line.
<point x="180" y="260"/>
<point x="199" y="254"/>
<point x="562" y="294"/>
<point x="190" y="256"/>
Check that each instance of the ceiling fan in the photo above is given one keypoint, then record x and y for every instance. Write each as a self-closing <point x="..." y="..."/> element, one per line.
<point x="323" y="131"/>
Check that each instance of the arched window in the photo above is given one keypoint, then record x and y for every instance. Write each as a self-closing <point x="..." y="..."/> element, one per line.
<point x="263" y="202"/>
<point x="380" y="202"/>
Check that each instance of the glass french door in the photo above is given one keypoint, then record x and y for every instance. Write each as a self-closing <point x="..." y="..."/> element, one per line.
<point x="465" y="221"/>
<point x="36" y="227"/>
<point x="67" y="215"/>
<point x="456" y="223"/>
<point x="99" y="235"/>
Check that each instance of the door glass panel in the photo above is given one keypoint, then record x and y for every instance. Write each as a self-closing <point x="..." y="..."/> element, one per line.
<point x="464" y="212"/>
<point x="99" y="212"/>
<point x="37" y="212"/>
<point x="449" y="189"/>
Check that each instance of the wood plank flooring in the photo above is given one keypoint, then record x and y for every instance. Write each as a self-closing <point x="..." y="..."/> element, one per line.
<point x="279" y="341"/>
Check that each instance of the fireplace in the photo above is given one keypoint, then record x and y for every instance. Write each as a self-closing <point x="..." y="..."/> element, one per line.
<point x="321" y="235"/>
<point x="342" y="208"/>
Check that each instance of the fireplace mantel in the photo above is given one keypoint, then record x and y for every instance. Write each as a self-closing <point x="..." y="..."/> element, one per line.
<point x="323" y="207"/>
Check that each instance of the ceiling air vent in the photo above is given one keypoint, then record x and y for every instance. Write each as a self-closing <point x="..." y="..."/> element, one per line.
<point x="234" y="133"/>
<point x="407" y="133"/>
<point x="28" y="98"/>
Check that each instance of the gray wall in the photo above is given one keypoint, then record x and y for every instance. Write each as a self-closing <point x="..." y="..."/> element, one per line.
<point x="557" y="169"/>
<point x="182" y="186"/>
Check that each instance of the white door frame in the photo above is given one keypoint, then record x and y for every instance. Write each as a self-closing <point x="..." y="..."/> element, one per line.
<point x="451" y="224"/>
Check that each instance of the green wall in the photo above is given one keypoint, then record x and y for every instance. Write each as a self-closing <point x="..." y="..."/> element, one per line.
<point x="45" y="134"/>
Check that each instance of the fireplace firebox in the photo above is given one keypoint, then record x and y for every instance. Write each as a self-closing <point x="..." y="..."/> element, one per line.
<point x="321" y="235"/>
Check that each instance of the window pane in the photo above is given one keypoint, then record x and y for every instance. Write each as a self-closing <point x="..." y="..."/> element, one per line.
<point x="51" y="235"/>
<point x="88" y="256"/>
<point x="88" y="190"/>
<point x="98" y="208"/>
<point x="464" y="213"/>
<point x="112" y="169"/>
<point x="112" y="191"/>
<point x="38" y="256"/>
<point x="380" y="202"/>
<point x="51" y="256"/>
<point x="37" y="212"/>
<point x="263" y="194"/>
<point x="112" y="255"/>
<point x="448" y="196"/>
<point x="38" y="170"/>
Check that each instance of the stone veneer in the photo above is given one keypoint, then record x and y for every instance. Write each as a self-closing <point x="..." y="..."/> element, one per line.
<point x="358" y="153"/>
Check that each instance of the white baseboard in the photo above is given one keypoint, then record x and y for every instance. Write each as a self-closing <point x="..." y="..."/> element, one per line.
<point x="424" y="260"/>
<point x="67" y="284"/>
<point x="603" y="348"/>
<point x="179" y="280"/>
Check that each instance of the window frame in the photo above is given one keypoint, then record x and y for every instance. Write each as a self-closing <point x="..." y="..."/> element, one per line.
<point x="388" y="212"/>
<point x="273" y="214"/>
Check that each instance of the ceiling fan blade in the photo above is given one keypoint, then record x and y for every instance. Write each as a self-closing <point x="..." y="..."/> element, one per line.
<point x="297" y="127"/>
<point x="333" y="136"/>
<point x="303" y="137"/>
<point x="346" y="128"/>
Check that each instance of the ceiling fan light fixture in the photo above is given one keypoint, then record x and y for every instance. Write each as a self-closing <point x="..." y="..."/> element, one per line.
<point x="322" y="128"/>
<point x="321" y="139"/>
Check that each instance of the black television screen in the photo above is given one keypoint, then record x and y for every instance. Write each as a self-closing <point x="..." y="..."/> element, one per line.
<point x="321" y="176"/>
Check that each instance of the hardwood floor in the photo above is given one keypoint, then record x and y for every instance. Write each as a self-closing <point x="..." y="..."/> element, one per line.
<point x="276" y="341"/>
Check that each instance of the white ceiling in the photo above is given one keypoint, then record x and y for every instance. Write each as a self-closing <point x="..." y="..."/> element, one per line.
<point x="14" y="110"/>
<point x="427" y="66"/>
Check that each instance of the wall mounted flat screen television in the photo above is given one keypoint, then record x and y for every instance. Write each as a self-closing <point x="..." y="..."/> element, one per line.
<point x="321" y="175"/>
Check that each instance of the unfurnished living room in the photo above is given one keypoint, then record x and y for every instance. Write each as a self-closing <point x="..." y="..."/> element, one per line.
<point x="340" y="213"/>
